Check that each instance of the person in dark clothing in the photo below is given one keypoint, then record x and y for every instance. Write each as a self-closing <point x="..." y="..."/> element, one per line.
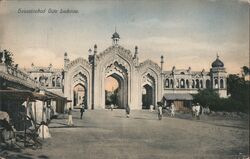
<point x="82" y="109"/>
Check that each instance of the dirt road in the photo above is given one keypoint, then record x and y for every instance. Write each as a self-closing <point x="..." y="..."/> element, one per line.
<point x="110" y="135"/>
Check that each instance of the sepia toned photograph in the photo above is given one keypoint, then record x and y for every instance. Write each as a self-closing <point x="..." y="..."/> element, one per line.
<point x="124" y="79"/>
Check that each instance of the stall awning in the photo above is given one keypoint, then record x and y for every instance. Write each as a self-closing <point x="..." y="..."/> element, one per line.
<point x="22" y="95"/>
<point x="178" y="96"/>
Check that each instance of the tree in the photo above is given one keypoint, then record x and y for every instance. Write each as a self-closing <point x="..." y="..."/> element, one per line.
<point x="207" y="97"/>
<point x="246" y="70"/>
<point x="8" y="57"/>
<point x="239" y="89"/>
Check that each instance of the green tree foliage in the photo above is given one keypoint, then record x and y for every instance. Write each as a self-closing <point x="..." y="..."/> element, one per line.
<point x="8" y="57"/>
<point x="207" y="97"/>
<point x="238" y="89"/>
<point x="111" y="97"/>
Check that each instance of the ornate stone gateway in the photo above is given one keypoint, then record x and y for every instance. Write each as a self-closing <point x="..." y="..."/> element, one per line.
<point x="133" y="77"/>
<point x="140" y="84"/>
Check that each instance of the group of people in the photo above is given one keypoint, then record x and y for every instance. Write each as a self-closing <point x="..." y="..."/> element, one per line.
<point x="70" y="119"/>
<point x="172" y="110"/>
<point x="196" y="110"/>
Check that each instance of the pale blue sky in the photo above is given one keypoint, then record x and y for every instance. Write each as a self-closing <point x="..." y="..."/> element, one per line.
<point x="186" y="32"/>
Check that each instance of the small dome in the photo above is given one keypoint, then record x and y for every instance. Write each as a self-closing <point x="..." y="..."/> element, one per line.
<point x="217" y="63"/>
<point x="115" y="36"/>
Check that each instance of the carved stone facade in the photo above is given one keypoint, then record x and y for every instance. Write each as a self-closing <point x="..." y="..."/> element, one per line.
<point x="83" y="80"/>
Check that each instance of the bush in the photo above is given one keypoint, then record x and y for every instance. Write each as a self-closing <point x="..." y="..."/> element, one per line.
<point x="228" y="105"/>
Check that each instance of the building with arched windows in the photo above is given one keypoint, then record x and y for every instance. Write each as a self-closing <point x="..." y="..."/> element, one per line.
<point x="140" y="84"/>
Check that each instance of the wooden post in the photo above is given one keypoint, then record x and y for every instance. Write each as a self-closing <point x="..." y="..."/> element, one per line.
<point x="35" y="113"/>
<point x="43" y="120"/>
<point x="27" y="104"/>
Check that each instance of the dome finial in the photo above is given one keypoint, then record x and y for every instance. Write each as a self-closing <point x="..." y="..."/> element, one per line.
<point x="115" y="37"/>
<point x="217" y="55"/>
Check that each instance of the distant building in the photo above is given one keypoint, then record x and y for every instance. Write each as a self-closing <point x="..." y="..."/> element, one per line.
<point x="141" y="84"/>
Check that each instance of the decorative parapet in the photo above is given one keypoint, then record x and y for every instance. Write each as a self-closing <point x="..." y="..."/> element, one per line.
<point x="16" y="75"/>
<point x="118" y="49"/>
<point x="84" y="62"/>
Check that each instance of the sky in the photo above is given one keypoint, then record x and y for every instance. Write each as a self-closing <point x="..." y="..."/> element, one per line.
<point x="188" y="33"/>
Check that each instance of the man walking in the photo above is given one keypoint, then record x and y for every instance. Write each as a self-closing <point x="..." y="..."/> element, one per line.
<point x="82" y="109"/>
<point x="70" y="120"/>
<point x="159" y="110"/>
<point x="198" y="109"/>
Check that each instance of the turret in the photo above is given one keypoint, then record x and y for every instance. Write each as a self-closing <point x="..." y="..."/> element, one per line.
<point x="115" y="37"/>
<point x="219" y="77"/>
<point x="136" y="59"/>
<point x="66" y="60"/>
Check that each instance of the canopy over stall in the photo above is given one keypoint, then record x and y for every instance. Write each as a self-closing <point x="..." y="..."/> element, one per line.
<point x="182" y="101"/>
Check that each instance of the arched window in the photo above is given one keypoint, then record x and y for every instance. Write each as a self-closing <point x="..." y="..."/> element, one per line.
<point x="58" y="82"/>
<point x="201" y="83"/>
<point x="53" y="82"/>
<point x="172" y="83"/>
<point x="41" y="80"/>
<point x="167" y="83"/>
<point x="221" y="83"/>
<point x="187" y="84"/>
<point x="216" y="83"/>
<point x="178" y="83"/>
<point x="197" y="83"/>
<point x="208" y="85"/>
<point x="193" y="83"/>
<point x="182" y="83"/>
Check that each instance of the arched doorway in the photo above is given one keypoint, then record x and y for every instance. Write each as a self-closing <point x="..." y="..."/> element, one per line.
<point x="112" y="89"/>
<point x="116" y="78"/>
<point x="147" y="96"/>
<point x="148" y="91"/>
<point x="79" y="95"/>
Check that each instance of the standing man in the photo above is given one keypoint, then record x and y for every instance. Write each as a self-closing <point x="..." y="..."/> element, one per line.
<point x="82" y="109"/>
<point x="172" y="109"/>
<point x="70" y="120"/>
<point x="198" y="109"/>
<point x="159" y="110"/>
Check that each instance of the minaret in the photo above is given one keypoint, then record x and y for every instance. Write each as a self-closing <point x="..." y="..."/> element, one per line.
<point x="219" y="77"/>
<point x="90" y="56"/>
<point x="95" y="49"/>
<point x="3" y="57"/>
<point x="136" y="56"/>
<point x="93" y="76"/>
<point x="162" y="62"/>
<point x="66" y="60"/>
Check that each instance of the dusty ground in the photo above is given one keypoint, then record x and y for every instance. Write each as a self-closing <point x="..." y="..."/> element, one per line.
<point x="109" y="135"/>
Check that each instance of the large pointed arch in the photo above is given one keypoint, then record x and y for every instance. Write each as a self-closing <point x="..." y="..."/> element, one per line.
<point x="78" y="72"/>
